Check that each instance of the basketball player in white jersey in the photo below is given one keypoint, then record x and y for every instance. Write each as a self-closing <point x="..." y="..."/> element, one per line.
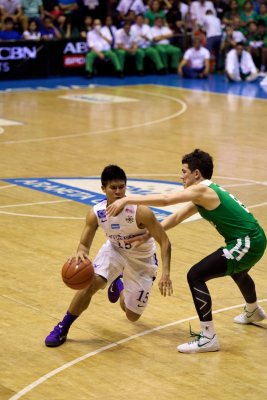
<point x="137" y="264"/>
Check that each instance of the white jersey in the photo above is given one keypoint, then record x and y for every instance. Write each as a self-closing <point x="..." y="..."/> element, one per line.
<point x="123" y="227"/>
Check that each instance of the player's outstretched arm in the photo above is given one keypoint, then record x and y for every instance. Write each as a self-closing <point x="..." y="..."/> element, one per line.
<point x="147" y="218"/>
<point x="175" y="219"/>
<point x="192" y="193"/>
<point x="170" y="222"/>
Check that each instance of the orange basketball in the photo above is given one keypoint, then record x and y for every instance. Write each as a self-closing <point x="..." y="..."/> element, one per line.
<point x="78" y="275"/>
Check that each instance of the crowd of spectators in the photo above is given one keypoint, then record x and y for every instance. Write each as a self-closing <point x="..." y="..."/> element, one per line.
<point x="191" y="37"/>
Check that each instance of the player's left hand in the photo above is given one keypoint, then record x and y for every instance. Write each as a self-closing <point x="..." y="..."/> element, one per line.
<point x="115" y="208"/>
<point x="165" y="285"/>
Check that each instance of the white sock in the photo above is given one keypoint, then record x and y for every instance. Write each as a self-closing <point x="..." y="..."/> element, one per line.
<point x="250" y="307"/>
<point x="207" y="328"/>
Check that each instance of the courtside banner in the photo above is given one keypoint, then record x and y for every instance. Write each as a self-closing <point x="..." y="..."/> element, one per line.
<point x="22" y="59"/>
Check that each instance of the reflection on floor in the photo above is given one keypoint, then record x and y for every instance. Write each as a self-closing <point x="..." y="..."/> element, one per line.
<point x="215" y="83"/>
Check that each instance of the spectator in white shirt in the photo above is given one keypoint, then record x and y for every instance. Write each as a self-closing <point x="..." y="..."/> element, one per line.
<point x="229" y="39"/>
<point x="127" y="46"/>
<point x="127" y="6"/>
<point x="112" y="29"/>
<point x="143" y="34"/>
<point x="195" y="62"/>
<point x="33" y="32"/>
<point x="99" y="43"/>
<point x="161" y="36"/>
<point x="198" y="11"/>
<point x="212" y="26"/>
<point x="239" y="65"/>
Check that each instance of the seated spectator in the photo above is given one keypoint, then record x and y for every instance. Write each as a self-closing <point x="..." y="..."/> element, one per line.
<point x="239" y="65"/>
<point x="8" y="32"/>
<point x="161" y="35"/>
<point x="111" y="10"/>
<point x="212" y="26"/>
<point x="198" y="11"/>
<point x="65" y="27"/>
<point x="112" y="29"/>
<point x="143" y="34"/>
<point x="71" y="9"/>
<point x="51" y="8"/>
<point x="48" y="30"/>
<point x="87" y="26"/>
<point x="233" y="13"/>
<point x="125" y="6"/>
<point x="263" y="13"/>
<point x="195" y="62"/>
<point x="174" y="16"/>
<point x="248" y="14"/>
<point x="99" y="43"/>
<point x="11" y="9"/>
<point x="153" y="12"/>
<point x="255" y="41"/>
<point x="229" y="40"/>
<point x="262" y="29"/>
<point x="127" y="46"/>
<point x="32" y="9"/>
<point x="33" y="32"/>
<point x="91" y="7"/>
<point x="178" y="5"/>
<point x="221" y="7"/>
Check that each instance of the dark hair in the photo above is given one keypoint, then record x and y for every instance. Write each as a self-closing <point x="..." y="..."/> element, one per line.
<point x="200" y="160"/>
<point x="8" y="20"/>
<point x="112" y="173"/>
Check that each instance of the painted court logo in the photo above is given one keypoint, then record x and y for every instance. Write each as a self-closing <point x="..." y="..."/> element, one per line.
<point x="88" y="190"/>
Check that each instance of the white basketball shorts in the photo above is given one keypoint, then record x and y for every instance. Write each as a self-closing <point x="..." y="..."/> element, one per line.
<point x="138" y="274"/>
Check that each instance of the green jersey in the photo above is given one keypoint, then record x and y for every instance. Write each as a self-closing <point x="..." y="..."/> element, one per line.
<point x="244" y="237"/>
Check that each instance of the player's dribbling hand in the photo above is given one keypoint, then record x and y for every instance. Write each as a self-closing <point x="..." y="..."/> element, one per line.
<point x="80" y="255"/>
<point x="114" y="208"/>
<point x="165" y="285"/>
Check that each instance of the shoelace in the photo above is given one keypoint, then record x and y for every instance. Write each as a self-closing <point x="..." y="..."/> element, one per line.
<point x="197" y="336"/>
<point x="57" y="328"/>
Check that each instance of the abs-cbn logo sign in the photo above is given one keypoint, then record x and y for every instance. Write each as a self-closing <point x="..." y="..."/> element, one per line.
<point x="74" y="61"/>
<point x="74" y="54"/>
<point x="17" y="53"/>
<point x="76" y="48"/>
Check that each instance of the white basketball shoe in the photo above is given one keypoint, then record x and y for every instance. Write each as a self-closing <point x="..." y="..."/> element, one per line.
<point x="249" y="317"/>
<point x="201" y="344"/>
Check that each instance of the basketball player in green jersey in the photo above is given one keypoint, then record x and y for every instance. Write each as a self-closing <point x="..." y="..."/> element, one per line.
<point x="245" y="243"/>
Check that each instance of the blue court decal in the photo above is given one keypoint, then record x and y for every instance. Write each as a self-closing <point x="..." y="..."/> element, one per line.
<point x="87" y="190"/>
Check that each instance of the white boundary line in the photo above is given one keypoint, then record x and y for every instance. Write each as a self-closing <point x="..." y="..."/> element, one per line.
<point x="56" y="371"/>
<point x="122" y="128"/>
<point x="34" y="204"/>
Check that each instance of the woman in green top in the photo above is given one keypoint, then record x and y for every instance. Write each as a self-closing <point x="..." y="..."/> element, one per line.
<point x="154" y="12"/>
<point x="248" y="14"/>
<point x="245" y="243"/>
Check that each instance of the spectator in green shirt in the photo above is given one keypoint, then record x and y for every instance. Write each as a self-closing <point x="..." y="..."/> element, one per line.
<point x="248" y="14"/>
<point x="153" y="12"/>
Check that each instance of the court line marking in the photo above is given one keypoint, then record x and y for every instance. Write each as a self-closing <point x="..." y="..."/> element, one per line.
<point x="63" y="367"/>
<point x="34" y="204"/>
<point x="109" y="130"/>
<point x="39" y="216"/>
<point x="6" y="186"/>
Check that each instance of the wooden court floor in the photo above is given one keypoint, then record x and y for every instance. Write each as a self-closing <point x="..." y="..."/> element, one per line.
<point x="146" y="130"/>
